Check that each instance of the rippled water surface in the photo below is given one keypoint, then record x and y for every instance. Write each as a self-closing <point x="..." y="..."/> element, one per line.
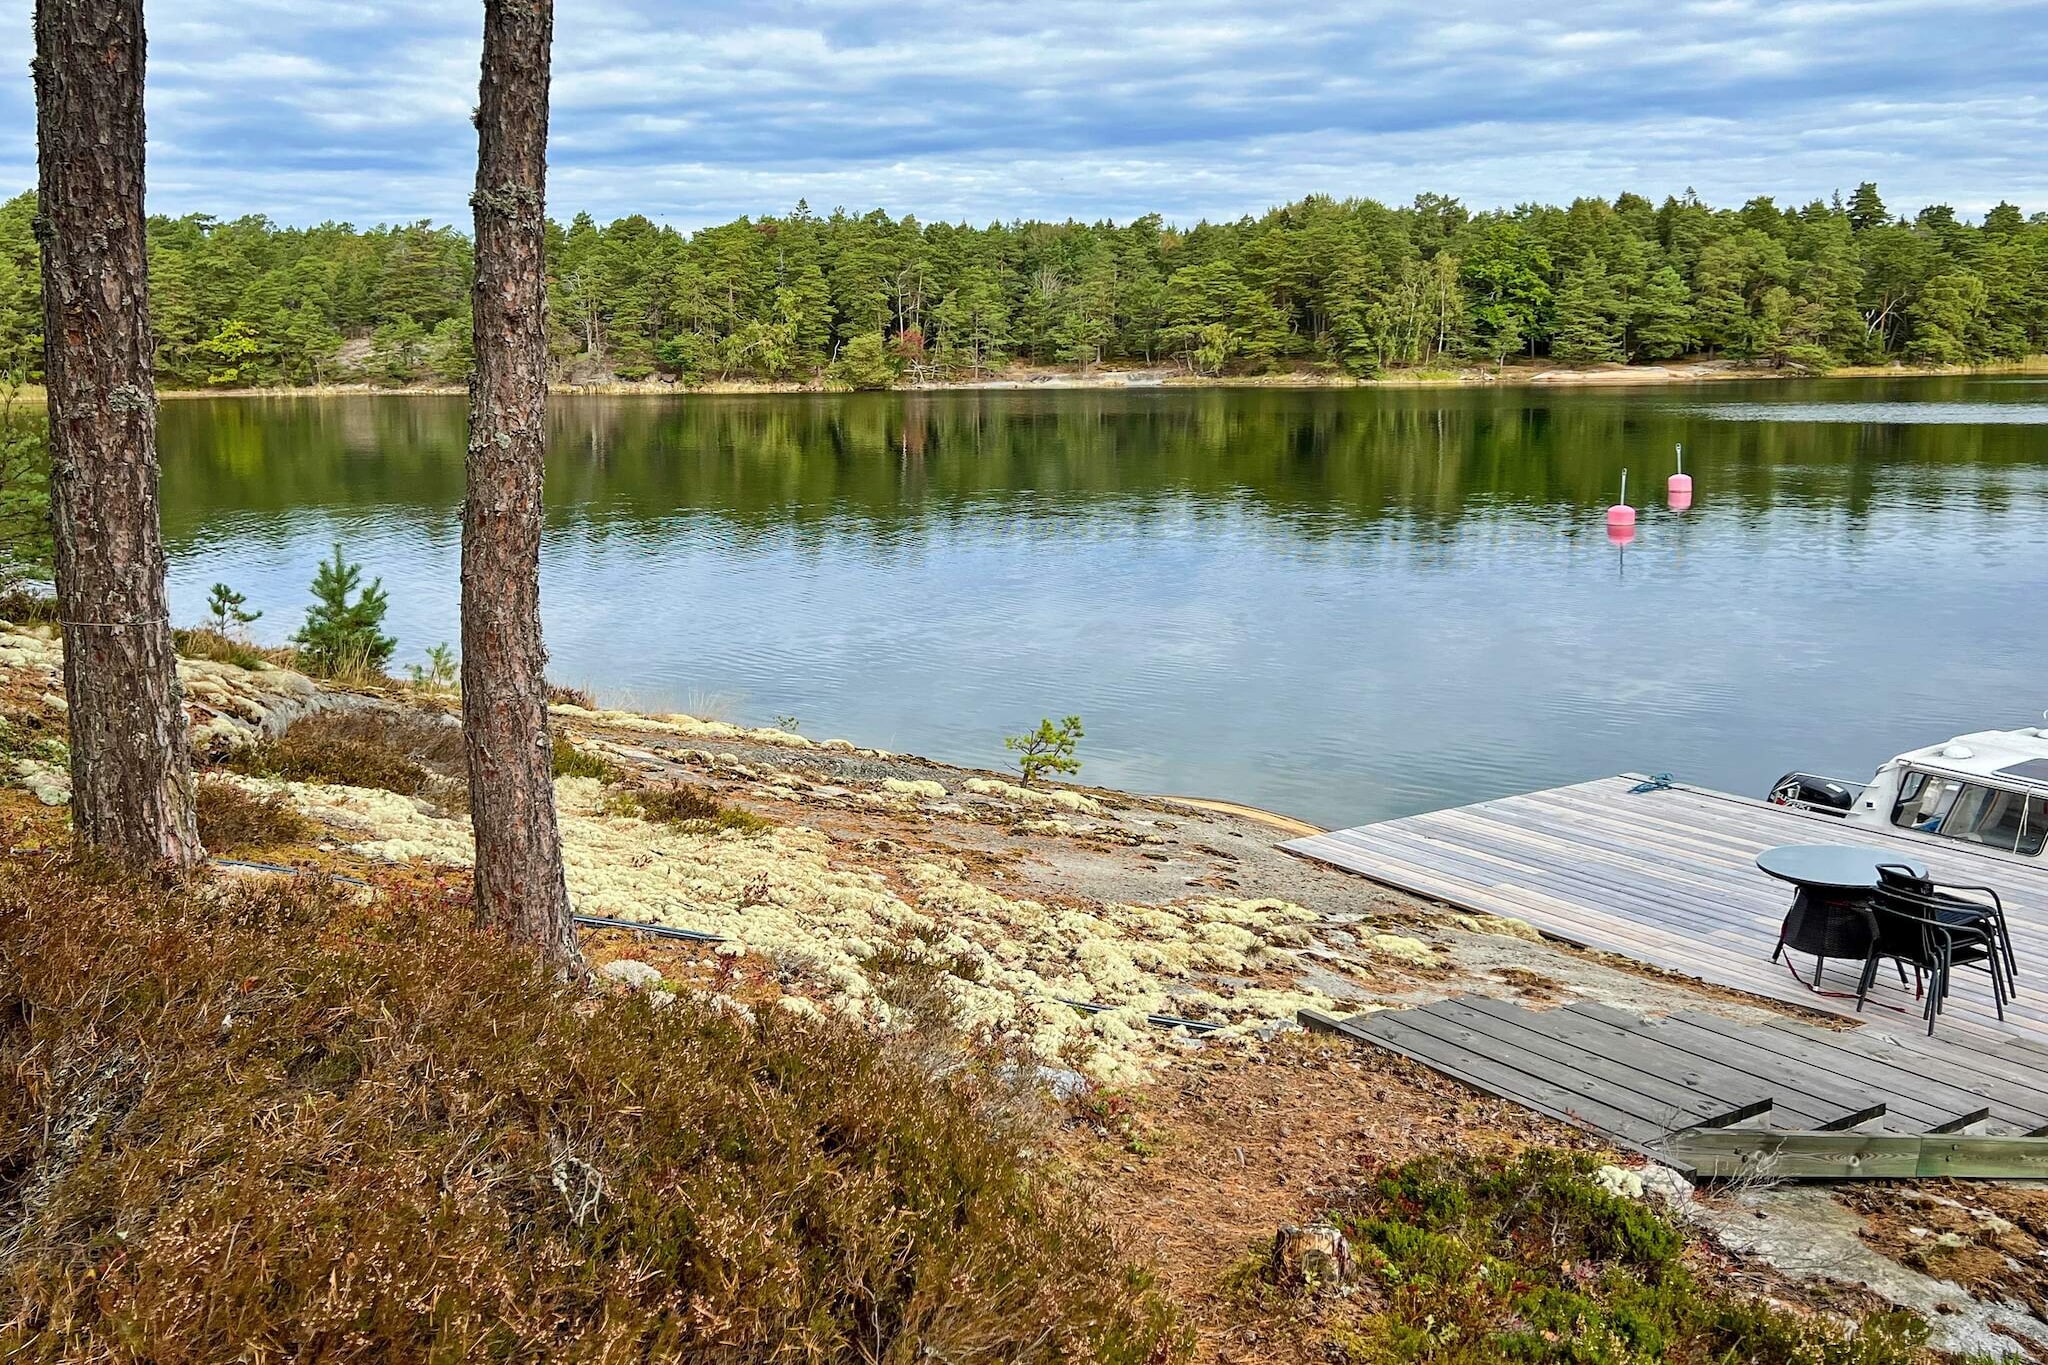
<point x="1346" y="605"/>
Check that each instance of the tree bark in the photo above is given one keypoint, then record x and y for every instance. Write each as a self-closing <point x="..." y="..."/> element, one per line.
<point x="519" y="881"/>
<point x="131" y="774"/>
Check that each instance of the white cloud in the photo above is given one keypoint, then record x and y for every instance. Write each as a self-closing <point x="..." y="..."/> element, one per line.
<point x="694" y="112"/>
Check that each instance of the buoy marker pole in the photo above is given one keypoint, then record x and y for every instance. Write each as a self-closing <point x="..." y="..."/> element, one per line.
<point x="1680" y="485"/>
<point x="1621" y="518"/>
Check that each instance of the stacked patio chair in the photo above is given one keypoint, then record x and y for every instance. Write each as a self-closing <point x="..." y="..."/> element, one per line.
<point x="1938" y="928"/>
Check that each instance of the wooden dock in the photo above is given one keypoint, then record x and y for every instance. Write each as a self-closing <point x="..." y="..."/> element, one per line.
<point x="1669" y="878"/>
<point x="1721" y="1098"/>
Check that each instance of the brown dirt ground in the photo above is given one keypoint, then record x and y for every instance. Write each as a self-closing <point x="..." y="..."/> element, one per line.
<point x="1991" y="1239"/>
<point x="1197" y="1172"/>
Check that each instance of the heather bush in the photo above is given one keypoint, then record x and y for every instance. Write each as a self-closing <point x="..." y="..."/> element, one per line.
<point x="570" y="761"/>
<point x="254" y="1121"/>
<point x="407" y="751"/>
<point x="232" y="820"/>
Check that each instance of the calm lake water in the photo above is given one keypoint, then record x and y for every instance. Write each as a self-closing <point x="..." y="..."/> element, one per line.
<point x="1346" y="605"/>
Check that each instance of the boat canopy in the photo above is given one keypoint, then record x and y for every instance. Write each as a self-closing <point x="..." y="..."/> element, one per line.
<point x="2006" y="758"/>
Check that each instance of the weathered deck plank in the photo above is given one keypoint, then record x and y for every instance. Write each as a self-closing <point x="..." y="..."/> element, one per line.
<point x="1834" y="1156"/>
<point x="1809" y="1099"/>
<point x="1775" y="1089"/>
<point x="1669" y="878"/>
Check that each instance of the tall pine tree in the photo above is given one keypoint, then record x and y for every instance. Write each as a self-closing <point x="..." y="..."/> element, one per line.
<point x="131" y="773"/>
<point x="520" y="886"/>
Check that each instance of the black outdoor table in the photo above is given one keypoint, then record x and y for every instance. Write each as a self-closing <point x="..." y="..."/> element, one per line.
<point x="1830" y="914"/>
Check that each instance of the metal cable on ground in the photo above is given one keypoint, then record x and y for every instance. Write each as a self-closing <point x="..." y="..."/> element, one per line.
<point x="1157" y="1020"/>
<point x="294" y="871"/>
<point x="658" y="930"/>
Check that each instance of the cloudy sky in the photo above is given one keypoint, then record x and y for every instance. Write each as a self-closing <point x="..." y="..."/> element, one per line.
<point x="973" y="109"/>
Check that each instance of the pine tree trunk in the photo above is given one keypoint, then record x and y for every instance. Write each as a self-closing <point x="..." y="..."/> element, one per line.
<point x="131" y="775"/>
<point x="519" y="884"/>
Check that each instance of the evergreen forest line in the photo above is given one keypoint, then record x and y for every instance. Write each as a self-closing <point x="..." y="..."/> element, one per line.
<point x="865" y="301"/>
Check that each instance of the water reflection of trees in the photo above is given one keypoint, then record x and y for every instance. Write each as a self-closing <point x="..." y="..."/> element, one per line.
<point x="887" y="464"/>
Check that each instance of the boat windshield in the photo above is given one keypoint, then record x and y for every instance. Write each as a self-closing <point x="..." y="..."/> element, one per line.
<point x="1974" y="812"/>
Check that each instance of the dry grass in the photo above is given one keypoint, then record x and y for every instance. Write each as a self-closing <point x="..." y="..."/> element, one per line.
<point x="358" y="666"/>
<point x="411" y="752"/>
<point x="262" y="1122"/>
<point x="561" y="695"/>
<point x="204" y="642"/>
<point x="24" y="608"/>
<point x="232" y="820"/>
<point x="712" y="706"/>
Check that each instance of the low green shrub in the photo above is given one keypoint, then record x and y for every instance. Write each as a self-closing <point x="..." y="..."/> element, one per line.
<point x="571" y="761"/>
<point x="440" y="673"/>
<point x="252" y="1121"/>
<point x="1528" y="1262"/>
<point x="679" y="803"/>
<point x="26" y="737"/>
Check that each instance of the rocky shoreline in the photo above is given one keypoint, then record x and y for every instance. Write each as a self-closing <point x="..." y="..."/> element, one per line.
<point x="922" y="900"/>
<point x="861" y="863"/>
<point x="1041" y="379"/>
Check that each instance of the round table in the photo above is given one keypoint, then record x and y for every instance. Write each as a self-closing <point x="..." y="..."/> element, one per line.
<point x="1830" y="914"/>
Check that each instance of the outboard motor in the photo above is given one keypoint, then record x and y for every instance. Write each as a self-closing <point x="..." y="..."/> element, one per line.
<point x="1815" y="793"/>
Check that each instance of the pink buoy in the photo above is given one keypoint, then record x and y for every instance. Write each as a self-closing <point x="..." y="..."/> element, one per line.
<point x="1621" y="532"/>
<point x="1679" y="487"/>
<point x="1621" y="514"/>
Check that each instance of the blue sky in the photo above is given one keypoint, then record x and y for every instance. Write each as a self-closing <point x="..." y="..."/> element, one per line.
<point x="695" y="113"/>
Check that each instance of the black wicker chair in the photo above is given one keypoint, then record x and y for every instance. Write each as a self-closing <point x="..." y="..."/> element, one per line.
<point x="1935" y="932"/>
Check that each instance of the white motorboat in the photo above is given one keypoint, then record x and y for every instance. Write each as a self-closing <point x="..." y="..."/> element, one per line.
<point x="1988" y="789"/>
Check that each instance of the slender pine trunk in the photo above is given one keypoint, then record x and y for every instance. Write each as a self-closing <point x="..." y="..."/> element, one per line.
<point x="131" y="774"/>
<point x="519" y="882"/>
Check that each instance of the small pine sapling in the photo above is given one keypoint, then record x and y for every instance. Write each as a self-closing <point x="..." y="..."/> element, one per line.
<point x="1048" y="749"/>
<point x="225" y="605"/>
<point x="341" y="637"/>
<point x="438" y="673"/>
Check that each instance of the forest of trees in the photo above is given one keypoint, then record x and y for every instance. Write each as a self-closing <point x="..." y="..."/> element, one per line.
<point x="1350" y="286"/>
